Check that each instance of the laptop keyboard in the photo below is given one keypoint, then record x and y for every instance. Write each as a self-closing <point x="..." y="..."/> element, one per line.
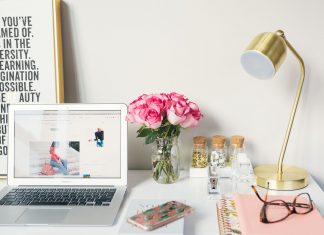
<point x="59" y="197"/>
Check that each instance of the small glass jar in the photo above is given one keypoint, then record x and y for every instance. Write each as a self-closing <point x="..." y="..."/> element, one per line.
<point x="243" y="174"/>
<point x="199" y="152"/>
<point x="236" y="147"/>
<point x="218" y="152"/>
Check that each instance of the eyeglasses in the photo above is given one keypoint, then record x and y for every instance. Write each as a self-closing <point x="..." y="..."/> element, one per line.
<point x="278" y="210"/>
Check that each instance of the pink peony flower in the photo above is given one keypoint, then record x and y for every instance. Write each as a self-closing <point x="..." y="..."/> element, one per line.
<point x="175" y="97"/>
<point x="192" y="117"/>
<point x="136" y="110"/>
<point x="146" y="109"/>
<point x="177" y="108"/>
<point x="153" y="116"/>
<point x="157" y="99"/>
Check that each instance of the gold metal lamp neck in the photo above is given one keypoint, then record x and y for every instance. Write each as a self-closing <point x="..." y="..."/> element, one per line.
<point x="262" y="59"/>
<point x="280" y="33"/>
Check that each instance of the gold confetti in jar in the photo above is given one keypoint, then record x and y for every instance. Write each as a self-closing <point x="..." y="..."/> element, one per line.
<point x="199" y="152"/>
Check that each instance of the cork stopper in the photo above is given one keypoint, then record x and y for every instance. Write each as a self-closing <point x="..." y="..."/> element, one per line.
<point x="199" y="141"/>
<point x="218" y="141"/>
<point x="237" y="141"/>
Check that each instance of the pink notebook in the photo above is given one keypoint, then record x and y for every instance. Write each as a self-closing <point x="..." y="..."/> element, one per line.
<point x="249" y="206"/>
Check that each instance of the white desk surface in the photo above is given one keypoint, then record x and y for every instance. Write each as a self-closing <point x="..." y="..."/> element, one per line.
<point x="142" y="186"/>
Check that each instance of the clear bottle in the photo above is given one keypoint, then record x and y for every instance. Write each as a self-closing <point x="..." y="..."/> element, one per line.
<point x="218" y="152"/>
<point x="199" y="152"/>
<point x="243" y="176"/>
<point x="236" y="147"/>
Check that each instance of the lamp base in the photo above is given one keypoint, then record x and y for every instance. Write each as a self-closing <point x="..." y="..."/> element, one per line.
<point x="293" y="177"/>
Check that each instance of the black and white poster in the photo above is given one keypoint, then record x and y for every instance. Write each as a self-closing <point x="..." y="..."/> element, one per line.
<point x="30" y="59"/>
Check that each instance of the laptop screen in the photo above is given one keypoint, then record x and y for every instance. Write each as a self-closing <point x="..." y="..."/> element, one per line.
<point x="67" y="144"/>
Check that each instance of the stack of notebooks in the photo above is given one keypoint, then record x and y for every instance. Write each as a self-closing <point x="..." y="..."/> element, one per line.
<point x="241" y="216"/>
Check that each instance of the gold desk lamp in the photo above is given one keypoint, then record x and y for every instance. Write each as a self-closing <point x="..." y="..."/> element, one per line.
<point x="262" y="59"/>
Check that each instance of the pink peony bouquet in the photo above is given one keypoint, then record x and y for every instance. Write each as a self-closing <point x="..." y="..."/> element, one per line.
<point x="162" y="115"/>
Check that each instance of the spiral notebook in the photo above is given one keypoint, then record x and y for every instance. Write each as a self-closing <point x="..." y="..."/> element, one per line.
<point x="228" y="221"/>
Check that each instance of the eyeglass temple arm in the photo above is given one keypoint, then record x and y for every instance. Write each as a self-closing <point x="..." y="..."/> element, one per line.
<point x="266" y="196"/>
<point x="257" y="194"/>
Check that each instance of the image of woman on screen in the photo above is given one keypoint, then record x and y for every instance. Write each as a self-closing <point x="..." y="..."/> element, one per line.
<point x="99" y="137"/>
<point x="56" y="161"/>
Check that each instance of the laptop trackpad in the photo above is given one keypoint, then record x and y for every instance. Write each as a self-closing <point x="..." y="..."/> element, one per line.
<point x="43" y="216"/>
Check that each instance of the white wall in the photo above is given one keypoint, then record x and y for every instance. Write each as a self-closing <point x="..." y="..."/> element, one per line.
<point x="116" y="50"/>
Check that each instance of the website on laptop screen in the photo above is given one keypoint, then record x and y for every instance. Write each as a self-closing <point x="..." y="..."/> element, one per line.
<point x="80" y="144"/>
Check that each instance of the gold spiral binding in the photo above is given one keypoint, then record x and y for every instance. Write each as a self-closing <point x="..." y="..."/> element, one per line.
<point x="225" y="209"/>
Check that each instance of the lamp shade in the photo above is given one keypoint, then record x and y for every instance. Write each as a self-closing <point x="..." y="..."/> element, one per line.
<point x="264" y="55"/>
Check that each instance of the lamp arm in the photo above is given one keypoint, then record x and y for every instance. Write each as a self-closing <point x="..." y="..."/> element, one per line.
<point x="294" y="108"/>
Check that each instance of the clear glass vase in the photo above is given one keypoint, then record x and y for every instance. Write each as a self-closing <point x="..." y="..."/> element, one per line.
<point x="166" y="160"/>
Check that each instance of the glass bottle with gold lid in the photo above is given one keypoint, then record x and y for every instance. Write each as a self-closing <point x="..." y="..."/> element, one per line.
<point x="199" y="152"/>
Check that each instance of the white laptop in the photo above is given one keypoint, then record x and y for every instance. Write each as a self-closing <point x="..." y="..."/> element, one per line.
<point x="67" y="164"/>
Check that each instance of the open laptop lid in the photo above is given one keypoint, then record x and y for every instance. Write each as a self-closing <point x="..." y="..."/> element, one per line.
<point x="67" y="144"/>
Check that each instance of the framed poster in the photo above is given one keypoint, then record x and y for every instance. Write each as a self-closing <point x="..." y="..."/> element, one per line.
<point x="31" y="65"/>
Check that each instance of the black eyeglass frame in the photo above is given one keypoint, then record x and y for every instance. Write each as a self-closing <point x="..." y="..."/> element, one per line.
<point x="291" y="206"/>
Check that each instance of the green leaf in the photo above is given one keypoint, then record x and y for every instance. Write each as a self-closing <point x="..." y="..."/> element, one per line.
<point x="139" y="130"/>
<point x="151" y="137"/>
<point x="178" y="130"/>
<point x="165" y="122"/>
<point x="144" y="132"/>
<point x="172" y="130"/>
